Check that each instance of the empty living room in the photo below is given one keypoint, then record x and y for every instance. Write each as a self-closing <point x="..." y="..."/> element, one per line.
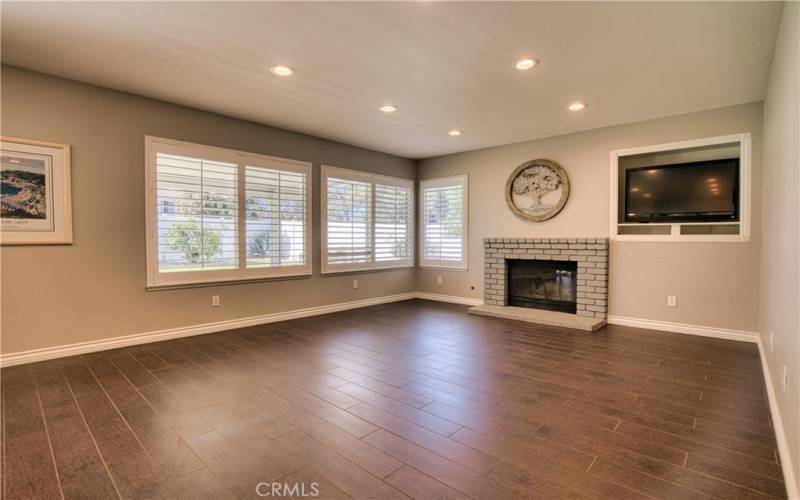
<point x="399" y="250"/>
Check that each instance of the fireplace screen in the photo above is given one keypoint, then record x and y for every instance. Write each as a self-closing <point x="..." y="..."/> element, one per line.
<point x="542" y="284"/>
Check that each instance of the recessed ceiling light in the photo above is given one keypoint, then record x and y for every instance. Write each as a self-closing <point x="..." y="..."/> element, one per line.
<point x="527" y="64"/>
<point x="281" y="70"/>
<point x="454" y="133"/>
<point x="577" y="106"/>
<point x="388" y="108"/>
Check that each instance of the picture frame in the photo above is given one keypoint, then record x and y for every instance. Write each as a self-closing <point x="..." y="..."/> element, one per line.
<point x="35" y="192"/>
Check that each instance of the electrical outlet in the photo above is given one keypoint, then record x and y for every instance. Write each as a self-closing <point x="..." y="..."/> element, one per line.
<point x="672" y="301"/>
<point x="785" y="379"/>
<point x="439" y="280"/>
<point x="215" y="301"/>
<point x="771" y="338"/>
<point x="355" y="283"/>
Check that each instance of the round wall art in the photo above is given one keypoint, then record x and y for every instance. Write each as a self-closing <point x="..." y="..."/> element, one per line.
<point x="537" y="190"/>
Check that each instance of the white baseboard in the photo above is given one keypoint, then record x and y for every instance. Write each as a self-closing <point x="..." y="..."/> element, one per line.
<point x="32" y="356"/>
<point x="780" y="435"/>
<point x="448" y="298"/>
<point x="666" y="326"/>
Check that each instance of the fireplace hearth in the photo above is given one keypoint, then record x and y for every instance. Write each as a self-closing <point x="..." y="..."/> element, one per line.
<point x="543" y="284"/>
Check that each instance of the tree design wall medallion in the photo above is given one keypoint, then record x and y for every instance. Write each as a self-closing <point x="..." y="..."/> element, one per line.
<point x="537" y="190"/>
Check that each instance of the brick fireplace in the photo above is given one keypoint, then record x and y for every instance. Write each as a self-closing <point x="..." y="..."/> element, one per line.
<point x="590" y="255"/>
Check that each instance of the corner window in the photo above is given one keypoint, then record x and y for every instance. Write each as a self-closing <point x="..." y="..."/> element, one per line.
<point x="215" y="215"/>
<point x="443" y="230"/>
<point x="367" y="221"/>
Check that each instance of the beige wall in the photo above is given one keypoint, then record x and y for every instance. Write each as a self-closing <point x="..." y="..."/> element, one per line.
<point x="780" y="269"/>
<point x="95" y="289"/>
<point x="716" y="283"/>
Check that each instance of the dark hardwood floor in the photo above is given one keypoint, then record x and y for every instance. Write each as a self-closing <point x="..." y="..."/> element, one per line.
<point x="414" y="399"/>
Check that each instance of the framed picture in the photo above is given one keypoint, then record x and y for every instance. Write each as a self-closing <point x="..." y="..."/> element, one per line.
<point x="35" y="195"/>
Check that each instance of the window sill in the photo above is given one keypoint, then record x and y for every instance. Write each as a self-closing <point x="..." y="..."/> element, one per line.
<point x="335" y="272"/>
<point x="444" y="268"/>
<point x="225" y="282"/>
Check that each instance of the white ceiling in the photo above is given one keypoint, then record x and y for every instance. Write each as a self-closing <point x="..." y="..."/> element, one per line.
<point x="446" y="65"/>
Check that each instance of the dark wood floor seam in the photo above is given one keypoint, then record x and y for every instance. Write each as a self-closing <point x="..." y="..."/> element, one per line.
<point x="49" y="442"/>
<point x="94" y="441"/>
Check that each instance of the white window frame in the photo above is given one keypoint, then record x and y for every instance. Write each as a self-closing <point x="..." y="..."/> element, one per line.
<point x="155" y="145"/>
<point x="424" y="263"/>
<point x="360" y="176"/>
<point x="745" y="181"/>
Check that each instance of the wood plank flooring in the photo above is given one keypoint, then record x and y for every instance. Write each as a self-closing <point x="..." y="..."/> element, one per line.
<point x="408" y="400"/>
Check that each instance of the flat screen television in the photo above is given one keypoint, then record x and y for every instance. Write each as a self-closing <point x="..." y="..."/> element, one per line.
<point x="703" y="191"/>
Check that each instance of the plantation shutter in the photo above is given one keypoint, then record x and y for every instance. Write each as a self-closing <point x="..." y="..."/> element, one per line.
<point x="197" y="214"/>
<point x="368" y="221"/>
<point x="393" y="222"/>
<point x="444" y="222"/>
<point x="349" y="221"/>
<point x="275" y="217"/>
<point x="215" y="215"/>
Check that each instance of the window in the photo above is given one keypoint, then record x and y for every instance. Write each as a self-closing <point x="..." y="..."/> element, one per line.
<point x="393" y="222"/>
<point x="444" y="222"/>
<point x="367" y="221"/>
<point x="220" y="215"/>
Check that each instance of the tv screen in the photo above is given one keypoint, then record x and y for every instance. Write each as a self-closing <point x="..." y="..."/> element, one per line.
<point x="703" y="191"/>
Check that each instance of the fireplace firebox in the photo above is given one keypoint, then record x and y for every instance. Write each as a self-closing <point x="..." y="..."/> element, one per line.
<point x="542" y="284"/>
